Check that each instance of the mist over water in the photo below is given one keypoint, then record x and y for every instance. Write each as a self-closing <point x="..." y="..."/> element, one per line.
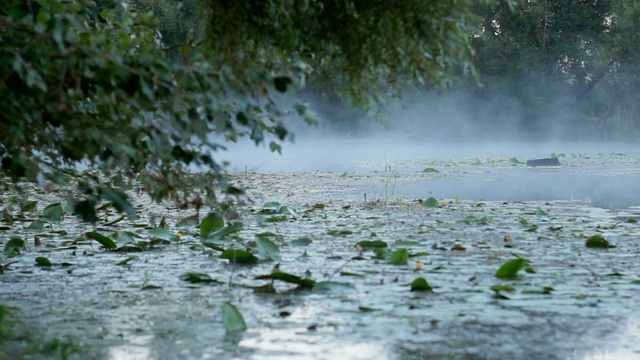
<point x="451" y="131"/>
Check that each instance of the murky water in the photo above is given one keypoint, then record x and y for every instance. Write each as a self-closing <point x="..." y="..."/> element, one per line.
<point x="365" y="309"/>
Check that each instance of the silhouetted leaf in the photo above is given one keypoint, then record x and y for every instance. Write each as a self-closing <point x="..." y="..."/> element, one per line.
<point x="239" y="257"/>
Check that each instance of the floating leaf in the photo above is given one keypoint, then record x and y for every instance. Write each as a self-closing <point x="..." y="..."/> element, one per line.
<point x="196" y="277"/>
<point x="29" y="205"/>
<point x="399" y="257"/>
<point x="510" y="268"/>
<point x="14" y="246"/>
<point x="267" y="248"/>
<point x="431" y="202"/>
<point x="430" y="170"/>
<point x="43" y="261"/>
<point x="127" y="260"/>
<point x="239" y="257"/>
<point x="163" y="234"/>
<point x="288" y="278"/>
<point x="232" y="318"/>
<point x="367" y="244"/>
<point x="597" y="241"/>
<point x="52" y="213"/>
<point x="339" y="232"/>
<point x="211" y="223"/>
<point x="229" y="229"/>
<point x="36" y="225"/>
<point x="420" y="284"/>
<point x="303" y="241"/>
<point x="540" y="212"/>
<point x="331" y="286"/>
<point x="106" y="241"/>
<point x="188" y="222"/>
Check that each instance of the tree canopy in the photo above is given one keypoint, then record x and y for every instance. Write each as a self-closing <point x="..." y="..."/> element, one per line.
<point x="94" y="84"/>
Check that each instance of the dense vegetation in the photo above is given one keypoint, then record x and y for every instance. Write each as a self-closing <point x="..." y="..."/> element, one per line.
<point x="150" y="90"/>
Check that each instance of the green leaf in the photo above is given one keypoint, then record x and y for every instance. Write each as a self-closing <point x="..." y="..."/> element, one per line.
<point x="29" y="205"/>
<point x="232" y="318"/>
<point x="119" y="200"/>
<point x="302" y="241"/>
<point x="43" y="261"/>
<point x="163" y="234"/>
<point x="540" y="212"/>
<point x="399" y="257"/>
<point x="52" y="213"/>
<point x="267" y="249"/>
<point x="239" y="257"/>
<point x="229" y="229"/>
<point x="196" y="277"/>
<point x="288" y="278"/>
<point x="188" y="222"/>
<point x="14" y="246"/>
<point x="106" y="241"/>
<point x="510" y="268"/>
<point x="275" y="147"/>
<point x="420" y="284"/>
<point x="86" y="209"/>
<point x="339" y="232"/>
<point x="597" y="241"/>
<point x="36" y="225"/>
<point x="430" y="170"/>
<point x="431" y="202"/>
<point x="367" y="244"/>
<point x="211" y="223"/>
<point x="127" y="260"/>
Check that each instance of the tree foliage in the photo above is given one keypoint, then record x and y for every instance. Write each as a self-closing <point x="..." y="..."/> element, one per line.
<point x="574" y="57"/>
<point x="91" y="84"/>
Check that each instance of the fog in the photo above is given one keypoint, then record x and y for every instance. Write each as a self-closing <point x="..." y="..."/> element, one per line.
<point x="448" y="130"/>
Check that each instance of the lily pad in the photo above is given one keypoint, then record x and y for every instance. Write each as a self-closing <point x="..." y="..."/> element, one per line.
<point x="367" y="244"/>
<point x="420" y="284"/>
<point x="431" y="202"/>
<point x="288" y="278"/>
<point x="14" y="246"/>
<point x="43" y="261"/>
<point x="211" y="223"/>
<point x="400" y="257"/>
<point x="267" y="248"/>
<point x="597" y="241"/>
<point x="232" y="319"/>
<point x="106" y="241"/>
<point x="196" y="277"/>
<point x="510" y="268"/>
<point x="239" y="257"/>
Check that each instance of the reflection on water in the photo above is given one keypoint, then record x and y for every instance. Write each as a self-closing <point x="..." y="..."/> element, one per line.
<point x="137" y="348"/>
<point x="299" y="343"/>
<point x="628" y="347"/>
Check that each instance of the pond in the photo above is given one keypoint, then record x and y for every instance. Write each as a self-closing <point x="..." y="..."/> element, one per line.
<point x="568" y="302"/>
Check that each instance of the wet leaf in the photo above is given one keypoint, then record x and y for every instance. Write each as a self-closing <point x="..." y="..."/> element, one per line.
<point x="420" y="284"/>
<point x="430" y="170"/>
<point x="239" y="257"/>
<point x="43" y="261"/>
<point x="106" y="241"/>
<point x="213" y="222"/>
<point x="431" y="202"/>
<point x="531" y="228"/>
<point x="510" y="268"/>
<point x="267" y="248"/>
<point x="163" y="234"/>
<point x="52" y="213"/>
<point x="151" y="287"/>
<point x="331" y="286"/>
<point x="188" y="222"/>
<point x="196" y="277"/>
<point x="112" y="222"/>
<point x="367" y="244"/>
<point x="288" y="278"/>
<point x="232" y="318"/>
<point x="399" y="257"/>
<point x="127" y="260"/>
<point x="339" y="232"/>
<point x="36" y="225"/>
<point x="229" y="229"/>
<point x="14" y="246"/>
<point x="540" y="212"/>
<point x="597" y="241"/>
<point x="303" y="241"/>
<point x="29" y="205"/>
